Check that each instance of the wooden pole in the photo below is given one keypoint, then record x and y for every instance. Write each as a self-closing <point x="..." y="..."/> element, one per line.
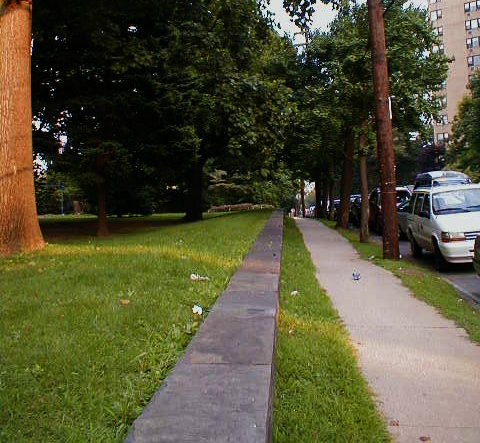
<point x="385" y="153"/>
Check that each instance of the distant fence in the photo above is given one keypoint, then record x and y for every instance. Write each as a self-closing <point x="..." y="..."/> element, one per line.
<point x="239" y="207"/>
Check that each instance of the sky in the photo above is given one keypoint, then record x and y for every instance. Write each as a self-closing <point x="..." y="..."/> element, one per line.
<point x="324" y="14"/>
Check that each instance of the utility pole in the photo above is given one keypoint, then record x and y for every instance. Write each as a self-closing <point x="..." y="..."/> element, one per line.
<point x="386" y="159"/>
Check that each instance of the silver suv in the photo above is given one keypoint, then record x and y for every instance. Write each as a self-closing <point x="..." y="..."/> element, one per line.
<point x="444" y="220"/>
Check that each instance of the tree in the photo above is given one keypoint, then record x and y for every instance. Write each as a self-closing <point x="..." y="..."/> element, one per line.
<point x="464" y="150"/>
<point x="19" y="229"/>
<point x="415" y="71"/>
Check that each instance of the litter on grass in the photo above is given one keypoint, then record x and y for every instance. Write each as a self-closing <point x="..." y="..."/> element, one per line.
<point x="197" y="310"/>
<point x="294" y="293"/>
<point x="196" y="277"/>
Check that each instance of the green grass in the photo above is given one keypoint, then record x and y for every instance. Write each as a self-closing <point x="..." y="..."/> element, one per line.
<point x="320" y="395"/>
<point x="424" y="284"/>
<point x="77" y="364"/>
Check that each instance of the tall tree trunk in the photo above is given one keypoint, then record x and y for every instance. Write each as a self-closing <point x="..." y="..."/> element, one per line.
<point x="195" y="192"/>
<point x="19" y="229"/>
<point x="102" y="224"/>
<point x="364" y="207"/>
<point x="386" y="158"/>
<point x="331" y="195"/>
<point x="302" y="198"/>
<point x="346" y="183"/>
<point x="324" y="199"/>
<point x="318" y="196"/>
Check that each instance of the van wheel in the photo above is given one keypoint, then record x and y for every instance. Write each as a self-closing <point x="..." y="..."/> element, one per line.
<point x="416" y="250"/>
<point x="441" y="265"/>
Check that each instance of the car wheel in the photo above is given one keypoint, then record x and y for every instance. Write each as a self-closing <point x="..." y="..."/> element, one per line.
<point x="441" y="265"/>
<point x="416" y="250"/>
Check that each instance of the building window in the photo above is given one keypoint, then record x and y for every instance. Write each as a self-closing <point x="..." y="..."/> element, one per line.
<point x="473" y="42"/>
<point x="442" y="137"/>
<point x="473" y="61"/>
<point x="438" y="30"/>
<point x="472" y="6"/>
<point x="439" y="48"/>
<point x="433" y="1"/>
<point x="442" y="101"/>
<point x="435" y="15"/>
<point x="442" y="120"/>
<point x="471" y="24"/>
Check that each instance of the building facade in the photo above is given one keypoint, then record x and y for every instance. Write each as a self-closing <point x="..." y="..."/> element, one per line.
<point x="457" y="24"/>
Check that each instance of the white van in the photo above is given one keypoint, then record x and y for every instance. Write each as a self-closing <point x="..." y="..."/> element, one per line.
<point x="444" y="220"/>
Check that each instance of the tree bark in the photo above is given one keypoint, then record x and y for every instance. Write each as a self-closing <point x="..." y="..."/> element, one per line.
<point x="331" y="196"/>
<point x="318" y="197"/>
<point x="302" y="198"/>
<point x="364" y="207"/>
<point x="346" y="183"/>
<point x="324" y="199"/>
<point x="194" y="210"/>
<point x="386" y="157"/>
<point x="19" y="228"/>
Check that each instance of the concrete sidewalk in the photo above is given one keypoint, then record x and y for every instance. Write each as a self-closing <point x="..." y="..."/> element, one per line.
<point x="423" y="370"/>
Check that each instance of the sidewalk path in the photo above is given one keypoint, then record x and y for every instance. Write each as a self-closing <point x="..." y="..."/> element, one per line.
<point x="423" y="370"/>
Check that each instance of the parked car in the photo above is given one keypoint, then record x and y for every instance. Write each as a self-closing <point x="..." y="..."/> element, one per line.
<point x="476" y="254"/>
<point x="440" y="178"/>
<point x="375" y="220"/>
<point x="446" y="221"/>
<point x="402" y="212"/>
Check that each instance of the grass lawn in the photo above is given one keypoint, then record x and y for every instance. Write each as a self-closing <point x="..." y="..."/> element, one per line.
<point x="90" y="328"/>
<point x="320" y="395"/>
<point x="424" y="284"/>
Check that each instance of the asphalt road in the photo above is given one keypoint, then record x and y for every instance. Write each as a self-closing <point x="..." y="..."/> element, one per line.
<point x="461" y="276"/>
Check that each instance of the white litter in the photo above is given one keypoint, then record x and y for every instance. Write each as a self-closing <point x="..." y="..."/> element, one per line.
<point x="196" y="277"/>
<point x="197" y="310"/>
<point x="294" y="293"/>
<point x="355" y="275"/>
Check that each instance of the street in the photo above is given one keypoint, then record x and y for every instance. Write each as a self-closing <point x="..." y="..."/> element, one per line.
<point x="461" y="276"/>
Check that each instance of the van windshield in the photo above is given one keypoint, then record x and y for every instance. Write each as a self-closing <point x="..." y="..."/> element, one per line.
<point x="461" y="200"/>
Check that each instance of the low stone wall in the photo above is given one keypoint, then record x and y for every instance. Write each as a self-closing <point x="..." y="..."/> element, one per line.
<point x="222" y="388"/>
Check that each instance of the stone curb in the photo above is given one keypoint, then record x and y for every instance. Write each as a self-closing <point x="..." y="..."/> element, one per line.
<point x="221" y="390"/>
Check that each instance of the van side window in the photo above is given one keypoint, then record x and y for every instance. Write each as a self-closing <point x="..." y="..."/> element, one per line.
<point x="418" y="203"/>
<point x="411" y="203"/>
<point x="426" y="204"/>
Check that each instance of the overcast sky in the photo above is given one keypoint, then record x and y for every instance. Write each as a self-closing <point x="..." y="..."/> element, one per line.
<point x="324" y="14"/>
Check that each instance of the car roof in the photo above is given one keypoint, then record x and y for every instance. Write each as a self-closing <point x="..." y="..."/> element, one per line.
<point x="447" y="188"/>
<point x="441" y="174"/>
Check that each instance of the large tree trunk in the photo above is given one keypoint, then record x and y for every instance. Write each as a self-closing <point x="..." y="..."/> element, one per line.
<point x="318" y="197"/>
<point x="194" y="210"/>
<point x="19" y="229"/>
<point x="302" y="198"/>
<point x="324" y="199"/>
<point x="346" y="183"/>
<point x="364" y="207"/>
<point x="102" y="224"/>
<point x="331" y="196"/>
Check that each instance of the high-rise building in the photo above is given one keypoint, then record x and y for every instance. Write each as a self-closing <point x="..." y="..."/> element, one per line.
<point x="457" y="24"/>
